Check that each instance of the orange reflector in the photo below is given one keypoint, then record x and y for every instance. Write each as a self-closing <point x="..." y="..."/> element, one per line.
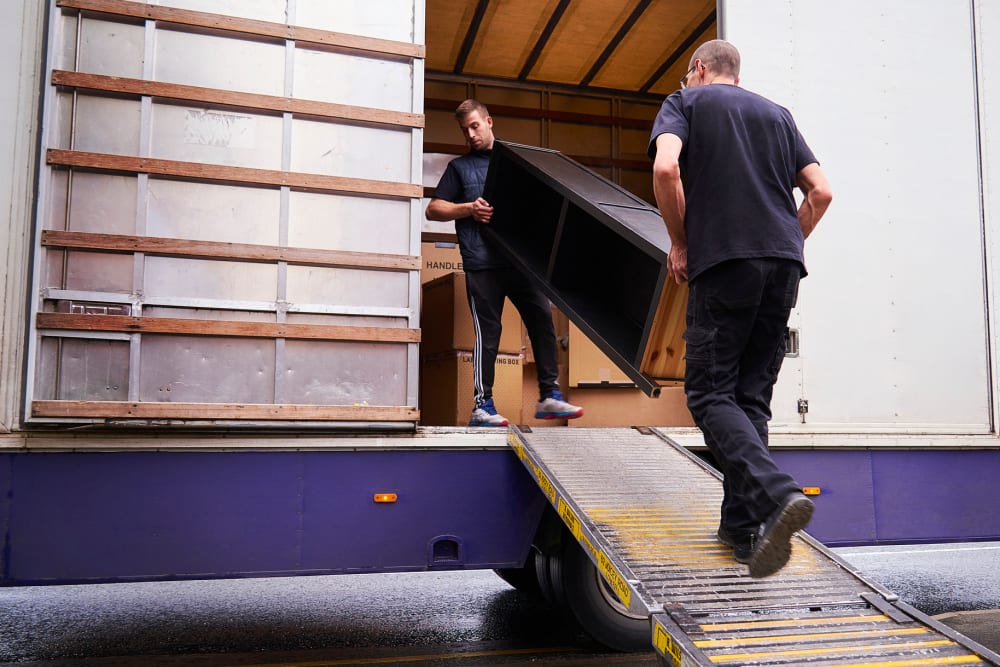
<point x="811" y="490"/>
<point x="384" y="497"/>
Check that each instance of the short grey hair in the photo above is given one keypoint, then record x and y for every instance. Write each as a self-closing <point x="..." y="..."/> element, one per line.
<point x="719" y="56"/>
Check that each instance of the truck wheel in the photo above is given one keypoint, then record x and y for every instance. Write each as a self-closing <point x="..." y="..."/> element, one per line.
<point x="524" y="579"/>
<point x="548" y="576"/>
<point x="596" y="607"/>
<point x="554" y="576"/>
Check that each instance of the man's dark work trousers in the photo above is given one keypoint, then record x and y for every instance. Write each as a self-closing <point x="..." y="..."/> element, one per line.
<point x="736" y="319"/>
<point x="486" y="290"/>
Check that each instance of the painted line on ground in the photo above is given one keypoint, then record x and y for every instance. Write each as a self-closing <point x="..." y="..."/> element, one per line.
<point x="340" y="662"/>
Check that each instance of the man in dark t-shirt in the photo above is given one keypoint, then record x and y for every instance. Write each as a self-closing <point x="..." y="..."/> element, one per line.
<point x="726" y="162"/>
<point x="490" y="278"/>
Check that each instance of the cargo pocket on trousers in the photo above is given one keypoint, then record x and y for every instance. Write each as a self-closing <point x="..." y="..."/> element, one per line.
<point x="699" y="356"/>
<point x="775" y="366"/>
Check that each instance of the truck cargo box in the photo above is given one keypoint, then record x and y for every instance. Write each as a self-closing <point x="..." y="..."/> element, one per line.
<point x="214" y="240"/>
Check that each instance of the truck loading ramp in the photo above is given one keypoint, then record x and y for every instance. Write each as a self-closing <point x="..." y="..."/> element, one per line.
<point x="646" y="511"/>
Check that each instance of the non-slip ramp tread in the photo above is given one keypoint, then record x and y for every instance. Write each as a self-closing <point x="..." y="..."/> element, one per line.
<point x="646" y="511"/>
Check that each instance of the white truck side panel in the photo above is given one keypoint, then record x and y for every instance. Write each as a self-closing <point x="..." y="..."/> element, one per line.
<point x="380" y="221"/>
<point x="893" y="317"/>
<point x="21" y="27"/>
<point x="988" y="70"/>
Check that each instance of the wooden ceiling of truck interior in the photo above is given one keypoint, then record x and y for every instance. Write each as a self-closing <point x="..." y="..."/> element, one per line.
<point x="634" y="46"/>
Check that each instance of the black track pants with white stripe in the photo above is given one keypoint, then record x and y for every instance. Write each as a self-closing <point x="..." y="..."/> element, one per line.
<point x="486" y="289"/>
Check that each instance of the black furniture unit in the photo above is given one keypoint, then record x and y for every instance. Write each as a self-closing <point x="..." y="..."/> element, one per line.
<point x="596" y="250"/>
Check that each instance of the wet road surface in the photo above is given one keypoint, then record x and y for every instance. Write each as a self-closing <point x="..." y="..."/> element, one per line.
<point x="443" y="618"/>
<point x="449" y="618"/>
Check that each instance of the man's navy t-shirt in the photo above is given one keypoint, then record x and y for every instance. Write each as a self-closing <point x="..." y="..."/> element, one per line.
<point x="739" y="157"/>
<point x="463" y="181"/>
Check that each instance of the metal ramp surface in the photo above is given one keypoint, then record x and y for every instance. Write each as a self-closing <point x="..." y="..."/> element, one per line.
<point x="646" y="512"/>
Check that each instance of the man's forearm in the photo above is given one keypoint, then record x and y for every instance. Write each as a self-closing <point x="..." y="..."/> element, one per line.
<point x="669" y="195"/>
<point x="441" y="210"/>
<point x="809" y="215"/>
<point x="812" y="181"/>
<point x="668" y="189"/>
<point x="669" y="192"/>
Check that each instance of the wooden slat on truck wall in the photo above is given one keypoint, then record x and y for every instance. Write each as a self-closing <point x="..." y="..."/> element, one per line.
<point x="215" y="172"/>
<point x="305" y="36"/>
<point x="231" y="98"/>
<point x="259" y="412"/>
<point x="169" y="247"/>
<point x="197" y="327"/>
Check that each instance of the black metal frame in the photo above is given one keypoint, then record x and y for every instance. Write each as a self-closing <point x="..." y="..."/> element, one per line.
<point x="596" y="250"/>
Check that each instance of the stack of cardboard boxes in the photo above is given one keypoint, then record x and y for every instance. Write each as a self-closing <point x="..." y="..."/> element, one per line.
<point x="609" y="397"/>
<point x="587" y="376"/>
<point x="447" y="340"/>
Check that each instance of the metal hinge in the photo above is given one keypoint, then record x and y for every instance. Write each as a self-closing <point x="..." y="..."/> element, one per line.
<point x="803" y="409"/>
<point x="791" y="342"/>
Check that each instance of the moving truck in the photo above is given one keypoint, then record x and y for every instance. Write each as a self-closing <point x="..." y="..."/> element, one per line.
<point x="210" y="352"/>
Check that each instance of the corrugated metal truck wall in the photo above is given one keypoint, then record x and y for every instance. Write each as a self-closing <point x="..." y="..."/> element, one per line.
<point x="229" y="217"/>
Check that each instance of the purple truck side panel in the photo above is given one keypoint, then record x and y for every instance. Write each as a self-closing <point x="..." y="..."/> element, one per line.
<point x="956" y="501"/>
<point x="899" y="496"/>
<point x="845" y="511"/>
<point x="67" y="517"/>
<point x="149" y="515"/>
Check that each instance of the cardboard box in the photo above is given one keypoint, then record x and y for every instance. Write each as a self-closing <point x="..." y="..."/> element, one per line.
<point x="446" y="388"/>
<point x="446" y="323"/>
<point x="439" y="259"/>
<point x="623" y="406"/>
<point x="588" y="366"/>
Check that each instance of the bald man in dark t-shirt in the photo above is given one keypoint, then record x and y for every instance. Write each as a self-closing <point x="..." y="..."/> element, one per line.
<point x="726" y="162"/>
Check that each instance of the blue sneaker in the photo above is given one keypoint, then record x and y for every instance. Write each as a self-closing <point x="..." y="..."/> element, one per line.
<point x="485" y="414"/>
<point x="555" y="407"/>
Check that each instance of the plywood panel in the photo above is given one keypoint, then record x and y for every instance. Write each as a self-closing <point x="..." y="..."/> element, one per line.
<point x="508" y="96"/>
<point x="658" y="33"/>
<point x="664" y="353"/>
<point x="584" y="31"/>
<point x="509" y="31"/>
<point x="447" y="23"/>
<point x="578" y="139"/>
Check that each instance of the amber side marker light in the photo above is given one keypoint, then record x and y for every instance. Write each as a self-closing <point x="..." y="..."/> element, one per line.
<point x="811" y="490"/>
<point x="384" y="497"/>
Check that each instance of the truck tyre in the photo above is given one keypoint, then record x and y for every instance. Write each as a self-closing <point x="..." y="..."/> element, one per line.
<point x="548" y="575"/>
<point x="524" y="579"/>
<point x="556" y="576"/>
<point x="596" y="607"/>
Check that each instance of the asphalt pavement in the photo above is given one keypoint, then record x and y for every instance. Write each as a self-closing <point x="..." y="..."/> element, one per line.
<point x="452" y="618"/>
<point x="958" y="584"/>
